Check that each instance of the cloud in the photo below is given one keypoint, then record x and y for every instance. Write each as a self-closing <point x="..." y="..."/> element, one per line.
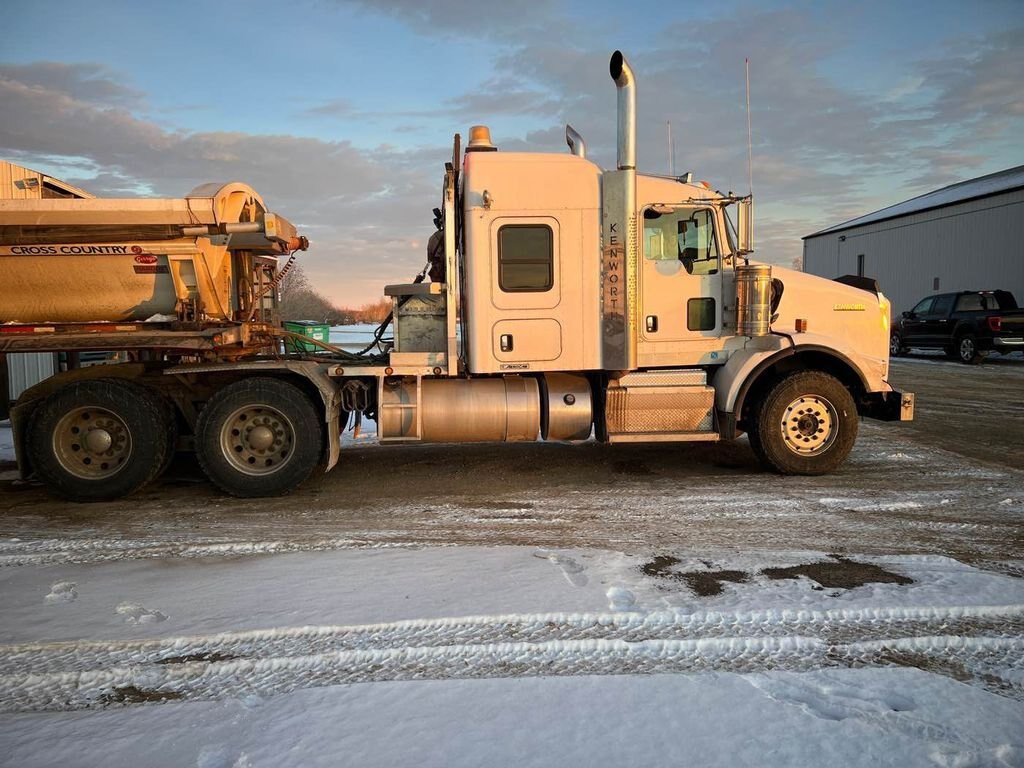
<point x="362" y="206"/>
<point x="86" y="81"/>
<point x="333" y="108"/>
<point x="824" y="150"/>
<point x="981" y="81"/>
<point x="455" y="18"/>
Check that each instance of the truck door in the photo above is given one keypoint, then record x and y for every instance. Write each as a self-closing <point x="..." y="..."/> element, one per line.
<point x="935" y="326"/>
<point x="913" y="323"/>
<point x="526" y="291"/>
<point x="680" y="286"/>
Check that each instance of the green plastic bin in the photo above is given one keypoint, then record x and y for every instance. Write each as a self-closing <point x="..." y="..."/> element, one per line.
<point x="310" y="328"/>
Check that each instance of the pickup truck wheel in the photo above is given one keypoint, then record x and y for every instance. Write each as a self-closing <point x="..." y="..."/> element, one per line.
<point x="805" y="424"/>
<point x="99" y="440"/>
<point x="967" y="349"/>
<point x="896" y="347"/>
<point x="259" y="437"/>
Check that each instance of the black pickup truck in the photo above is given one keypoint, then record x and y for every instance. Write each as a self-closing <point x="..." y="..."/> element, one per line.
<point x="964" y="324"/>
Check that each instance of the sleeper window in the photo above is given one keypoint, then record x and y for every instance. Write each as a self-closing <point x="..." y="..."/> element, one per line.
<point x="525" y="258"/>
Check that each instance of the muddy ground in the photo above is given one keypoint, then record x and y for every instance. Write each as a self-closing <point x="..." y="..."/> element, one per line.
<point x="949" y="483"/>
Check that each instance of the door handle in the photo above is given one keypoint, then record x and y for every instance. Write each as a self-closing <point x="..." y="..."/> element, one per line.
<point x="506" y="342"/>
<point x="652" y="323"/>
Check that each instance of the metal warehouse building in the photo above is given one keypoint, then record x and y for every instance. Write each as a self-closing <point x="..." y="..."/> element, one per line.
<point x="967" y="236"/>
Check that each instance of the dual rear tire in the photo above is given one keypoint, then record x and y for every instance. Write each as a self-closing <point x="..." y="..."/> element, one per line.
<point x="259" y="437"/>
<point x="102" y="439"/>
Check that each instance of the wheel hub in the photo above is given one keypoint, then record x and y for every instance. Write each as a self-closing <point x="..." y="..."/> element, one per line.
<point x="257" y="439"/>
<point x="98" y="441"/>
<point x="809" y="425"/>
<point x="92" y="443"/>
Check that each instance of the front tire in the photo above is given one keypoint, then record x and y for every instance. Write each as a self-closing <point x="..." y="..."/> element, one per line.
<point x="805" y="424"/>
<point x="896" y="346"/>
<point x="99" y="440"/>
<point x="259" y="437"/>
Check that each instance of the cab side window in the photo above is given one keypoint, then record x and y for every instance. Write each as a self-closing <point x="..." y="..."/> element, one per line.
<point x="941" y="306"/>
<point x="923" y="306"/>
<point x="684" y="234"/>
<point x="971" y="302"/>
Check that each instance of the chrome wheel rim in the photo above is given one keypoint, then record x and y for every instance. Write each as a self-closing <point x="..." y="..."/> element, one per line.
<point x="92" y="443"/>
<point x="257" y="439"/>
<point x="894" y="345"/>
<point x="966" y="349"/>
<point x="809" y="425"/>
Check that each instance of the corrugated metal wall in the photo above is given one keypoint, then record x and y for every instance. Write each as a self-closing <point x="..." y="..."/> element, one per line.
<point x="24" y="369"/>
<point x="975" y="245"/>
<point x="10" y="175"/>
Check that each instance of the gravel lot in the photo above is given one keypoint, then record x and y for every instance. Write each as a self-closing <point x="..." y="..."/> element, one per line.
<point x="948" y="483"/>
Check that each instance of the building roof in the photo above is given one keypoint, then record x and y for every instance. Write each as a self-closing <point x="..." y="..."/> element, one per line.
<point x="983" y="186"/>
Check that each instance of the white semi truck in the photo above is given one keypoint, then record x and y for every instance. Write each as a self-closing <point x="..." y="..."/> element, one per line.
<point x="566" y="302"/>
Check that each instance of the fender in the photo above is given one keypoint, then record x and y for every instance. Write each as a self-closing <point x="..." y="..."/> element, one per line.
<point x="315" y="373"/>
<point x="732" y="381"/>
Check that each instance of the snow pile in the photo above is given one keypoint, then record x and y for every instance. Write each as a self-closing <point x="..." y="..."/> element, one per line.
<point x="62" y="592"/>
<point x="6" y="442"/>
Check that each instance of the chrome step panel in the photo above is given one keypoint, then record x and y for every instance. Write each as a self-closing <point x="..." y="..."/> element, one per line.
<point x="660" y="406"/>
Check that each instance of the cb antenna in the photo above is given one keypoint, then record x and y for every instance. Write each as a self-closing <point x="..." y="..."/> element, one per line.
<point x="750" y="144"/>
<point x="671" y="152"/>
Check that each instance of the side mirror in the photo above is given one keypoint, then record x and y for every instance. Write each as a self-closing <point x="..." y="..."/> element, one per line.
<point x="908" y="315"/>
<point x="745" y="225"/>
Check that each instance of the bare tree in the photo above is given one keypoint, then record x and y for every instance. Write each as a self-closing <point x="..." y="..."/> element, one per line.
<point x="295" y="281"/>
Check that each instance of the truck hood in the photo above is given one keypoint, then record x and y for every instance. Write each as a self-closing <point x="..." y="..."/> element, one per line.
<point x="856" y="319"/>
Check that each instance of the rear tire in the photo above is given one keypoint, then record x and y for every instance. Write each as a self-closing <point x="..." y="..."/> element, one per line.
<point x="99" y="440"/>
<point x="967" y="349"/>
<point x="259" y="437"/>
<point x="805" y="424"/>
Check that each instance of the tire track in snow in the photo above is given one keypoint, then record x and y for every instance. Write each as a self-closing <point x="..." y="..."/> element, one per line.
<point x="53" y="551"/>
<point x="75" y="675"/>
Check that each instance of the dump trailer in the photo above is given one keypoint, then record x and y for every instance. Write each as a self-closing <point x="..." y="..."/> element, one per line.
<point x="564" y="302"/>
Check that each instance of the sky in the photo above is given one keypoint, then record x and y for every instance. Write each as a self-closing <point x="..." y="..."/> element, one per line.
<point x="341" y="113"/>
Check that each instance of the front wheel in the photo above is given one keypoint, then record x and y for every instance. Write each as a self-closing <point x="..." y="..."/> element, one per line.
<point x="259" y="437"/>
<point x="896" y="346"/>
<point x="805" y="424"/>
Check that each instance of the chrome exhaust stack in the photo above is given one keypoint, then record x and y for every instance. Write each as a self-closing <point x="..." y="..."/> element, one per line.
<point x="625" y="82"/>
<point x="619" y="232"/>
<point x="576" y="143"/>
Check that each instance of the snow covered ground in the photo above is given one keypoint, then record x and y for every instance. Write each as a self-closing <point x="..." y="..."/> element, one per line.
<point x="466" y="656"/>
<point x="511" y="655"/>
<point x="535" y="605"/>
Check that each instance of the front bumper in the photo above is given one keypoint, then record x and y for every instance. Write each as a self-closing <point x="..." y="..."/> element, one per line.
<point x="888" y="406"/>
